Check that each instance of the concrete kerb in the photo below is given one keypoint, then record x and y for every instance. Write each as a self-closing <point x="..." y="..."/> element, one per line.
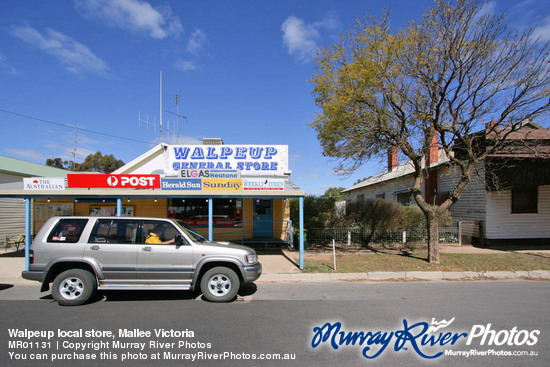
<point x="405" y="276"/>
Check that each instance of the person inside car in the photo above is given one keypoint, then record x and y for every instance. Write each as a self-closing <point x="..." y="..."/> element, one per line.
<point x="155" y="237"/>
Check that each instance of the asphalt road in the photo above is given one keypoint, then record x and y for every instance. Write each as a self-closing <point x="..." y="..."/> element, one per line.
<point x="271" y="321"/>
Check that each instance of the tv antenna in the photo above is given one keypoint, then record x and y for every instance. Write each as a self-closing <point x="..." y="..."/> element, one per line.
<point x="177" y="113"/>
<point x="160" y="125"/>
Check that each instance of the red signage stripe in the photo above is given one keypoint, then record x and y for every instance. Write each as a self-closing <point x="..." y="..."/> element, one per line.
<point x="107" y="181"/>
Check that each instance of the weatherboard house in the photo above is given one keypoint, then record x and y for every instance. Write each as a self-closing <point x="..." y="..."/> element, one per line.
<point x="237" y="193"/>
<point x="509" y="193"/>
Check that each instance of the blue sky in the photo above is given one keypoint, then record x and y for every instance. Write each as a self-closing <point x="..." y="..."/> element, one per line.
<point x="240" y="68"/>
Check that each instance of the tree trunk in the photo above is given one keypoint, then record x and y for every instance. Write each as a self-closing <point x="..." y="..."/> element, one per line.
<point x="433" y="238"/>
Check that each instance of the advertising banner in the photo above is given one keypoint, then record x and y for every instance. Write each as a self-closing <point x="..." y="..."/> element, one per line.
<point x="222" y="185"/>
<point x="181" y="184"/>
<point x="264" y="184"/>
<point x="210" y="173"/>
<point x="107" y="181"/>
<point x="43" y="183"/>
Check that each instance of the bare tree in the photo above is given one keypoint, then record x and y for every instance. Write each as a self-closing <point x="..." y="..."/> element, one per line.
<point x="436" y="81"/>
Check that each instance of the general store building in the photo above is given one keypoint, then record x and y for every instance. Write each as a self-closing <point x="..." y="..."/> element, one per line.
<point x="237" y="193"/>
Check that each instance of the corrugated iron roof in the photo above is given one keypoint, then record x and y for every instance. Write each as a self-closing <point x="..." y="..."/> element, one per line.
<point x="18" y="167"/>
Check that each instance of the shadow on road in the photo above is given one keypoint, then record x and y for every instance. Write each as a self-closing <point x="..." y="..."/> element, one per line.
<point x="163" y="295"/>
<point x="5" y="286"/>
<point x="10" y="253"/>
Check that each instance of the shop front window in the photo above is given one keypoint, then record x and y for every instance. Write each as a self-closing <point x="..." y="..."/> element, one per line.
<point x="194" y="212"/>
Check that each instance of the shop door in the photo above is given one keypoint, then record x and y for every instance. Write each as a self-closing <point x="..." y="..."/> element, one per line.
<point x="263" y="218"/>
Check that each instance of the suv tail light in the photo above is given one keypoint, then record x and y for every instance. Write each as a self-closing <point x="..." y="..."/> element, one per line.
<point x="31" y="257"/>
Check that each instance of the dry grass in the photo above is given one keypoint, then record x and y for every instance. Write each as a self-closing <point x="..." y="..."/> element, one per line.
<point x="399" y="261"/>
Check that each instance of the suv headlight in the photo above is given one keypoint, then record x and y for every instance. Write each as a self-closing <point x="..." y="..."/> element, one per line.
<point x="251" y="259"/>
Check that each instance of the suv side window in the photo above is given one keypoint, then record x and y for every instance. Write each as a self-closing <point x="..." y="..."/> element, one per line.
<point x="164" y="230"/>
<point x="114" y="231"/>
<point x="67" y="230"/>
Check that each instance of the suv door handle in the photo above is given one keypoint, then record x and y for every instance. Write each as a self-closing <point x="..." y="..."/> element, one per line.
<point x="95" y="247"/>
<point x="147" y="248"/>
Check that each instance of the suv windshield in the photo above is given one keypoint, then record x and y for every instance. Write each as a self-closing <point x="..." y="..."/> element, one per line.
<point x="189" y="231"/>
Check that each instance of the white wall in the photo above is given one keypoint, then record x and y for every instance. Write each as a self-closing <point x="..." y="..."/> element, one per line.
<point x="502" y="224"/>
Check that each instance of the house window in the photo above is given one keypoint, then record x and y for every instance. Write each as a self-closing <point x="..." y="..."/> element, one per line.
<point x="381" y="196"/>
<point x="525" y="200"/>
<point x="404" y="198"/>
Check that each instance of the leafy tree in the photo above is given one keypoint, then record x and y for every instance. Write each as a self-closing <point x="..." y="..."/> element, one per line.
<point x="318" y="210"/>
<point x="96" y="162"/>
<point x="439" y="79"/>
<point x="335" y="193"/>
<point x="56" y="163"/>
<point x="373" y="217"/>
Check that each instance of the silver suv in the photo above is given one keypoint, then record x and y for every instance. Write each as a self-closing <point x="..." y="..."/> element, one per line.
<point x="82" y="254"/>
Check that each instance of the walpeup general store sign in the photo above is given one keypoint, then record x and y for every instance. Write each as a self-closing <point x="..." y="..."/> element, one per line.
<point x="250" y="160"/>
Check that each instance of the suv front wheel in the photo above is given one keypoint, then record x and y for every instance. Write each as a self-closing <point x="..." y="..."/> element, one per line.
<point x="220" y="284"/>
<point x="73" y="287"/>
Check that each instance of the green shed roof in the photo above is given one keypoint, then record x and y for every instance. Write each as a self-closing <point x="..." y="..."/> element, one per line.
<point x="18" y="167"/>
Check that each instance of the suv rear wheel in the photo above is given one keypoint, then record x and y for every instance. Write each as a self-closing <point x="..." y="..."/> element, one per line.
<point x="73" y="287"/>
<point x="220" y="284"/>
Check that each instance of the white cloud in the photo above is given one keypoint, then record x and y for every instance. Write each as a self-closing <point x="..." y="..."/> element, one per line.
<point x="301" y="39"/>
<point x="531" y="14"/>
<point x="185" y="65"/>
<point x="29" y="154"/>
<point x="133" y="15"/>
<point x="542" y="32"/>
<point x="197" y="42"/>
<point x="5" y="67"/>
<point x="76" y="57"/>
<point x="489" y="9"/>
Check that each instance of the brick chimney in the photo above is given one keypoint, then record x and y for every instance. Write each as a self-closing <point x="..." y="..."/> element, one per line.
<point x="392" y="159"/>
<point x="493" y="125"/>
<point x="430" y="183"/>
<point x="433" y="154"/>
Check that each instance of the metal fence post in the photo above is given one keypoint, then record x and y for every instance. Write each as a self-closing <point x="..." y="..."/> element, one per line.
<point x="459" y="233"/>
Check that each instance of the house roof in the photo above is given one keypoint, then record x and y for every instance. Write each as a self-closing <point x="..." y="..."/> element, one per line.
<point x="18" y="167"/>
<point x="530" y="132"/>
<point x="402" y="170"/>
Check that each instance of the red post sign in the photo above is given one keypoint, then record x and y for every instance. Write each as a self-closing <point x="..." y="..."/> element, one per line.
<point x="106" y="181"/>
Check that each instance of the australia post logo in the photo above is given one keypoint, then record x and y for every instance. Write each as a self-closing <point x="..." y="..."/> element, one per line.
<point x="106" y="181"/>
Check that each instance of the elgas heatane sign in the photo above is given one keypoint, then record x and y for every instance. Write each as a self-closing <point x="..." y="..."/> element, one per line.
<point x="107" y="181"/>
